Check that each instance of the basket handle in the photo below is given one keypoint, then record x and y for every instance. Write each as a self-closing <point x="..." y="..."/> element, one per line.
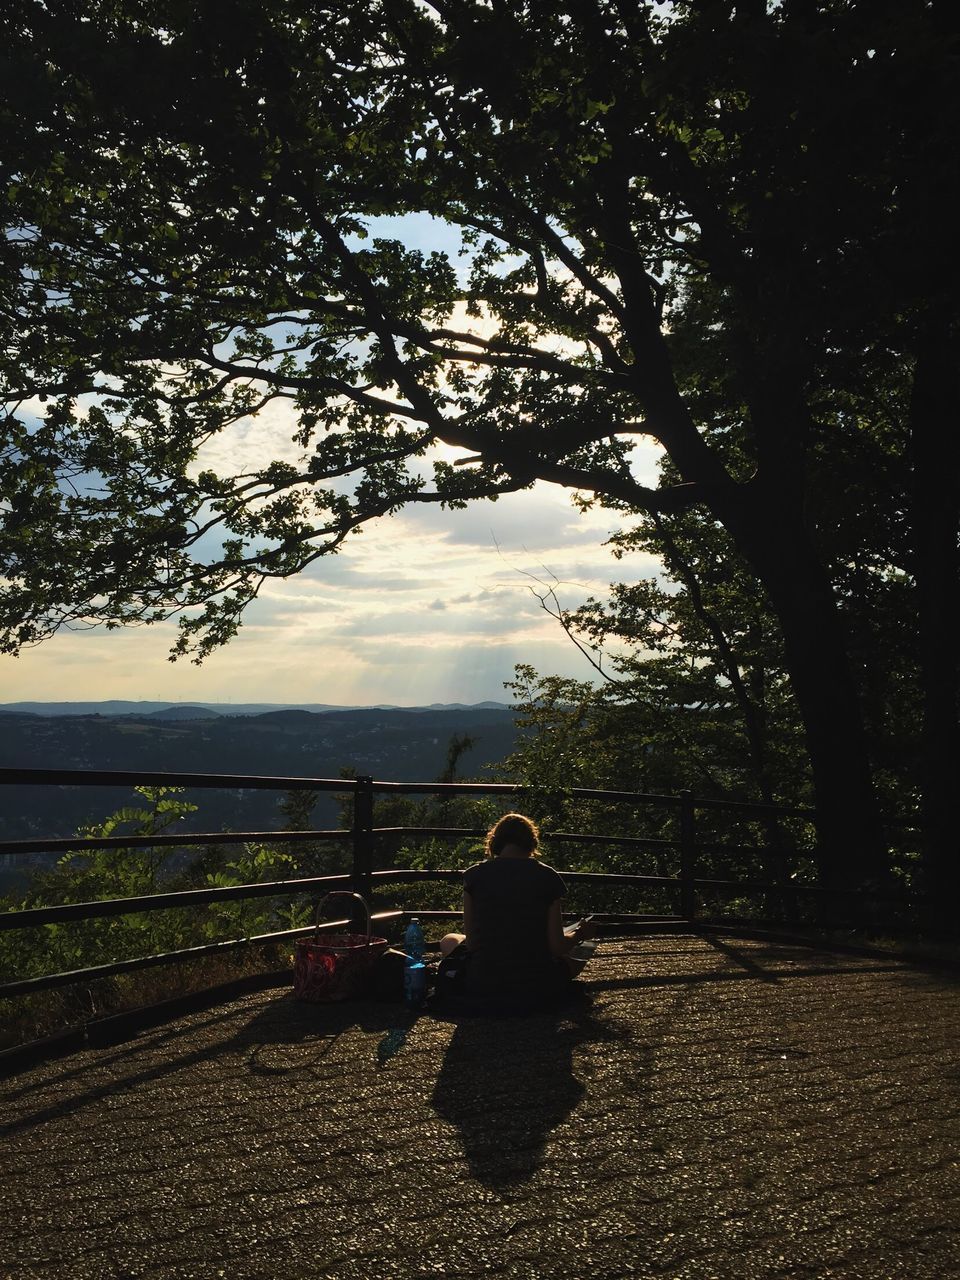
<point x="341" y="893"/>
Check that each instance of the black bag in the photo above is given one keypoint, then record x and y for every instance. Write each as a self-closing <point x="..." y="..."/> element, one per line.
<point x="452" y="973"/>
<point x="386" y="976"/>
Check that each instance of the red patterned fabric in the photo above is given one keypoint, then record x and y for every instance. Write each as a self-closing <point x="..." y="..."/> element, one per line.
<point x="335" y="967"/>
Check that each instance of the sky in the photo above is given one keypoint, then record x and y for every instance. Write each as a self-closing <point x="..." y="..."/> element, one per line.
<point x="424" y="606"/>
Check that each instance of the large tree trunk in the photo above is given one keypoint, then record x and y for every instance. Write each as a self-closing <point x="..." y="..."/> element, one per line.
<point x="849" y="831"/>
<point x="771" y="534"/>
<point x="935" y="447"/>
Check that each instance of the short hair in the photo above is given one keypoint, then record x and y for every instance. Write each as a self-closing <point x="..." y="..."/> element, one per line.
<point x="513" y="828"/>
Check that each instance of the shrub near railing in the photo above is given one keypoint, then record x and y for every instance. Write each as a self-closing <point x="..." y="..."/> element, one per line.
<point x="82" y="876"/>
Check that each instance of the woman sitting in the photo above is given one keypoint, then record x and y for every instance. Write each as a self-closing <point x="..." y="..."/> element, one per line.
<point x="514" y="945"/>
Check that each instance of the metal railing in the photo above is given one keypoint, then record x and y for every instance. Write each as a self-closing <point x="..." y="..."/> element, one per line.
<point x="362" y="837"/>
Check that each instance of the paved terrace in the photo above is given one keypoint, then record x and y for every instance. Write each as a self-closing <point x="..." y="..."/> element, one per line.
<point x="724" y="1108"/>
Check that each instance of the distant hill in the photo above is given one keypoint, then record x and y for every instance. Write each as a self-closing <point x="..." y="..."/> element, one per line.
<point x="184" y="712"/>
<point x="402" y="744"/>
<point x="115" y="707"/>
<point x="461" y="706"/>
<point x="292" y="716"/>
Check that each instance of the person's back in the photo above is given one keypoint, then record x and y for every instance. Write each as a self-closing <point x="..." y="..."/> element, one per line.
<point x="510" y="899"/>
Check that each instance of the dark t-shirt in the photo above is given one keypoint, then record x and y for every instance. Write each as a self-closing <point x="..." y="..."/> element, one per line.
<point x="510" y="952"/>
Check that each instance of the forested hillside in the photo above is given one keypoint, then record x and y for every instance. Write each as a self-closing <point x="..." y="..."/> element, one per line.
<point x="407" y="745"/>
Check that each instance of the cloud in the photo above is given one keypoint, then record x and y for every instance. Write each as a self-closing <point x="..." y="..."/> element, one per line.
<point x="359" y="653"/>
<point x="424" y="606"/>
<point x="403" y="615"/>
<point x="252" y="443"/>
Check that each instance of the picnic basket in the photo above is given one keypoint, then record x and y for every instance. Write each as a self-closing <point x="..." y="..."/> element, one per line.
<point x="334" y="966"/>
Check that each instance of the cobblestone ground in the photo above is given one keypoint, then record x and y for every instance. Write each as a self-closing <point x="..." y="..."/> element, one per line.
<point x="722" y="1109"/>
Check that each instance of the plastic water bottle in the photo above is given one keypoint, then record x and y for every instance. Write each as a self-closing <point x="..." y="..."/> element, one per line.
<point x="415" y="983"/>
<point x="414" y="971"/>
<point x="413" y="941"/>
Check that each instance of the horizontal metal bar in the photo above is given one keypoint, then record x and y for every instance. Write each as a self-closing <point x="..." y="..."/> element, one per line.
<point x="512" y="788"/>
<point x="625" y="842"/>
<point x="746" y="807"/>
<point x="394" y="875"/>
<point x="9" y="848"/>
<point x="431" y="913"/>
<point x="448" y="833"/>
<point x="627" y="879"/>
<point x="35" y="916"/>
<point x="600" y="917"/>
<point x="25" y="986"/>
<point x="458" y="833"/>
<point x="78" y="844"/>
<point x="252" y="782"/>
<point x="758" y="886"/>
<point x="826" y="891"/>
<point x="611" y="878"/>
<point x="630" y="797"/>
<point x="128" y="778"/>
<point x="448" y="788"/>
<point x="399" y="875"/>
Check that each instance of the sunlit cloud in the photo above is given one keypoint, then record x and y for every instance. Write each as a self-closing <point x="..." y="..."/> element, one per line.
<point x="414" y="611"/>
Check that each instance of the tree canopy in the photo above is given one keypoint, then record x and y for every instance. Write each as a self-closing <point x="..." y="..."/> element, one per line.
<point x="709" y="225"/>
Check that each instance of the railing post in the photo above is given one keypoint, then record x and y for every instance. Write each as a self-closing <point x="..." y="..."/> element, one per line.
<point x="688" y="855"/>
<point x="362" y="869"/>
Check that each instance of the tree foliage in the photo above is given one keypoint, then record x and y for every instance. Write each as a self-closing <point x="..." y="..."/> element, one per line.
<point x="704" y="224"/>
<point x="94" y="875"/>
<point x="189" y="240"/>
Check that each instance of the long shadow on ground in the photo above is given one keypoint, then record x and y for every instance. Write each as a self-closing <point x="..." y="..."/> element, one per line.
<point x="506" y="1083"/>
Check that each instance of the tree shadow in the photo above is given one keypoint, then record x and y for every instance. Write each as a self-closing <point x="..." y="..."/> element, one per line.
<point x="277" y="1033"/>
<point x="507" y="1082"/>
<point x="271" y="1041"/>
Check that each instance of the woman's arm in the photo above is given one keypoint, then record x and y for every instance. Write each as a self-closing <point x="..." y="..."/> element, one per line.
<point x="468" y="931"/>
<point x="557" y="940"/>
